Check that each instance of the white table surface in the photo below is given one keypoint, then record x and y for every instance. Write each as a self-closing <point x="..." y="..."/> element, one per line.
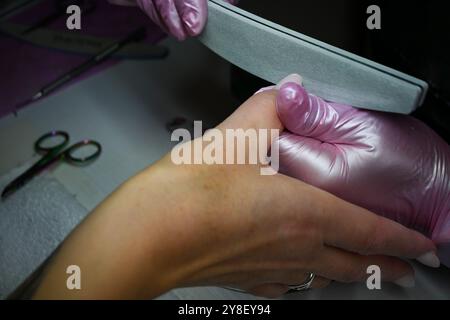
<point x="126" y="108"/>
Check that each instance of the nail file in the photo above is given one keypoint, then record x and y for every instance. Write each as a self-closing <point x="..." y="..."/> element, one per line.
<point x="271" y="52"/>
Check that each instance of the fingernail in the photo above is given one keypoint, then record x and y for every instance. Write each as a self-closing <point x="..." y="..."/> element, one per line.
<point x="291" y="95"/>
<point x="294" y="78"/>
<point x="192" y="22"/>
<point x="407" y="281"/>
<point x="265" y="89"/>
<point x="430" y="259"/>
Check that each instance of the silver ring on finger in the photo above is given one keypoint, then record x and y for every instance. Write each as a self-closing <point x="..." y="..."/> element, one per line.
<point x="304" y="286"/>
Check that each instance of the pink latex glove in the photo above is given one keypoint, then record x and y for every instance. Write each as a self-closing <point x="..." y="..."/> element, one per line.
<point x="180" y="18"/>
<point x="391" y="164"/>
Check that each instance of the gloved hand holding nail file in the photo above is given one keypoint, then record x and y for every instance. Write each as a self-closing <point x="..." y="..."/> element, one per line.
<point x="179" y="18"/>
<point x="393" y="165"/>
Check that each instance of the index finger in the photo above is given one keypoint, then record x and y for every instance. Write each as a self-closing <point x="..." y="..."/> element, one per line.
<point x="356" y="229"/>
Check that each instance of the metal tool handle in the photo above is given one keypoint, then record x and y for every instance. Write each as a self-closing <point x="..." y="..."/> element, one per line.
<point x="40" y="147"/>
<point x="69" y="154"/>
<point x="136" y="35"/>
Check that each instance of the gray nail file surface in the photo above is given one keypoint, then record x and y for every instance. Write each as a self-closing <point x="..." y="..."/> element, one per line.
<point x="271" y="52"/>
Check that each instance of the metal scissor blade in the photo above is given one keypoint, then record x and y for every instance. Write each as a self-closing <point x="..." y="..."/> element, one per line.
<point x="75" y="42"/>
<point x="271" y="52"/>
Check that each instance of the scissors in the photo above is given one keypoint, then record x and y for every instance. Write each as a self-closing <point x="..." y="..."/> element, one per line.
<point x="54" y="153"/>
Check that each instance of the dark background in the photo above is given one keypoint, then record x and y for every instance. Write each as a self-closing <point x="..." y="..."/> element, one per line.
<point x="414" y="39"/>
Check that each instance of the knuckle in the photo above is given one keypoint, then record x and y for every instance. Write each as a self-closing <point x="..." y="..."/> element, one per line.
<point x="367" y="244"/>
<point x="374" y="240"/>
<point x="302" y="240"/>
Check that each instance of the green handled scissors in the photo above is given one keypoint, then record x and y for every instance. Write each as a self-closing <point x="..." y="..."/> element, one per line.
<point x="54" y="153"/>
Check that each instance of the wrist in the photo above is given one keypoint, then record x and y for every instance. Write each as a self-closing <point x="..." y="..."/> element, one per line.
<point x="128" y="248"/>
<point x="185" y="224"/>
<point x="202" y="229"/>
